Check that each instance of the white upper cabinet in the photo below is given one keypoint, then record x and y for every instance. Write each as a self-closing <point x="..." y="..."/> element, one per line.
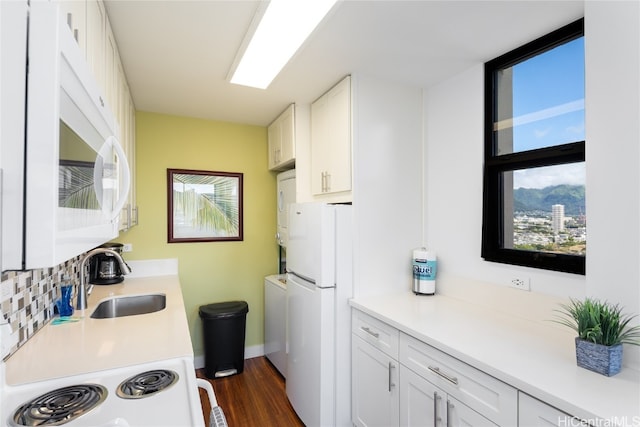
<point x="119" y="98"/>
<point x="281" y="135"/>
<point x="331" y="143"/>
<point x="13" y="83"/>
<point x="95" y="40"/>
<point x="88" y="21"/>
<point x="75" y="15"/>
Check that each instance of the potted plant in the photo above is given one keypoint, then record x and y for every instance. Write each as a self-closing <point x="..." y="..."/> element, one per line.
<point x="602" y="329"/>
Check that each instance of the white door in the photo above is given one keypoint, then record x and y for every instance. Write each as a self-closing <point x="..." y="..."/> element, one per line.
<point x="375" y="397"/>
<point x="460" y="415"/>
<point x="311" y="354"/>
<point x="534" y="413"/>
<point x="421" y="403"/>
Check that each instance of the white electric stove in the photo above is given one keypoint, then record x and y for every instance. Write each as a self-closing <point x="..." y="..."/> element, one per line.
<point x="161" y="393"/>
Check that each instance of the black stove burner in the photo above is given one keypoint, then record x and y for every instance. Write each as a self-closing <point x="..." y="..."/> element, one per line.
<point x="146" y="383"/>
<point x="59" y="406"/>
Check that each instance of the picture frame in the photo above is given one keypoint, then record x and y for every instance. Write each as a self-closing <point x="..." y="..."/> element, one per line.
<point x="204" y="206"/>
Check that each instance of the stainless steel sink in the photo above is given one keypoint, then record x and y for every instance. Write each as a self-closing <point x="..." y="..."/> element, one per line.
<point x="129" y="306"/>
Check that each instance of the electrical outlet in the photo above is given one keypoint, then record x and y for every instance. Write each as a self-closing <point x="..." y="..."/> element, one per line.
<point x="127" y="247"/>
<point x="520" y="283"/>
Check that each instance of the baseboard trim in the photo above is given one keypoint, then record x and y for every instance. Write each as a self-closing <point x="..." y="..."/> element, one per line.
<point x="249" y="352"/>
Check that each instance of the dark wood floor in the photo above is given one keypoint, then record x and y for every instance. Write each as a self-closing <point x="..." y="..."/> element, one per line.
<point x="256" y="397"/>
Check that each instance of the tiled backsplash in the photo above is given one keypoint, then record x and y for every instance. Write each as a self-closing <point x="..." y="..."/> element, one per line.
<point x="28" y="297"/>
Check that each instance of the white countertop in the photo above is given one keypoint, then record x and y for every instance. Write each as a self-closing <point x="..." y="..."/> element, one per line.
<point x="92" y="345"/>
<point x="537" y="357"/>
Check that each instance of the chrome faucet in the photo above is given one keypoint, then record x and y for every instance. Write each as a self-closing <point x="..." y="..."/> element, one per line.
<point x="81" y="298"/>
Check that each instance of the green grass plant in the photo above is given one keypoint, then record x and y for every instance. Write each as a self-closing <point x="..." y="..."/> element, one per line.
<point x="599" y="322"/>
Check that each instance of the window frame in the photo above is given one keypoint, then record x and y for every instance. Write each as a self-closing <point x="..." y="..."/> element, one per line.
<point x="494" y="165"/>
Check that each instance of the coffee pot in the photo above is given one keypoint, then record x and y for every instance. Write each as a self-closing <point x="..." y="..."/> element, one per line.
<point x="104" y="268"/>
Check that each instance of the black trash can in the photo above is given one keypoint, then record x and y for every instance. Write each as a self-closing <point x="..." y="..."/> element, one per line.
<point x="223" y="327"/>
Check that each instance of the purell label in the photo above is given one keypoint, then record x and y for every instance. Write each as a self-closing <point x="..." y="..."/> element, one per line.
<point x="424" y="270"/>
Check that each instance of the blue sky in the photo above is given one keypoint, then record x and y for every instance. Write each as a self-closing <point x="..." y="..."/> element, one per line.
<point x="548" y="109"/>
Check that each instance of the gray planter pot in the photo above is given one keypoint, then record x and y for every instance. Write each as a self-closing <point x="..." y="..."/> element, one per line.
<point x="605" y="360"/>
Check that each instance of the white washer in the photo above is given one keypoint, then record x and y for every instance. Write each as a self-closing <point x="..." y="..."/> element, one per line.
<point x="275" y="321"/>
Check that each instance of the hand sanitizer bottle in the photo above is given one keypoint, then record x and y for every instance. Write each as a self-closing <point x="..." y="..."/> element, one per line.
<point x="65" y="308"/>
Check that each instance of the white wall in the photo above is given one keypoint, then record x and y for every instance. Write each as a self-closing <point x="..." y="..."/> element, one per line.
<point x="613" y="151"/>
<point x="454" y="113"/>
<point x="613" y="155"/>
<point x="387" y="149"/>
<point x="454" y="158"/>
<point x="387" y="136"/>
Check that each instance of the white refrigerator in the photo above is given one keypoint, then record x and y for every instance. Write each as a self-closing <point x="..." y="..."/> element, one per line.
<point x="319" y="285"/>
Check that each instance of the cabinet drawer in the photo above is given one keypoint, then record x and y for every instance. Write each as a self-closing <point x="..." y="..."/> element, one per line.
<point x="483" y="393"/>
<point x="376" y="333"/>
<point x="535" y="413"/>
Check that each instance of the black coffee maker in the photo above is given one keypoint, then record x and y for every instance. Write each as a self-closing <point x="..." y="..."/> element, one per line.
<point x="104" y="269"/>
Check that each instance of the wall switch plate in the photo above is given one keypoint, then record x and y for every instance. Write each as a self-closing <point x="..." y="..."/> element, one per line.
<point x="127" y="247"/>
<point x="521" y="283"/>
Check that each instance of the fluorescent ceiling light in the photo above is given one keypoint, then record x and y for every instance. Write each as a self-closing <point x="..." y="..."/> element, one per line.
<point x="285" y="25"/>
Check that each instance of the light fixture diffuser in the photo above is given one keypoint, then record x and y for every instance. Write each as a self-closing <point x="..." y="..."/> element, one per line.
<point x="285" y="25"/>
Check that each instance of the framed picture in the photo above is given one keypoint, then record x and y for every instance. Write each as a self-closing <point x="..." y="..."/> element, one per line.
<point x="204" y="206"/>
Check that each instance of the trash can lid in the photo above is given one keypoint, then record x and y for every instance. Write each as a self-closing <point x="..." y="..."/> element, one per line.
<point x="223" y="309"/>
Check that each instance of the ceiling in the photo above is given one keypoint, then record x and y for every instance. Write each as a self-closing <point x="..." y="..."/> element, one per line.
<point x="177" y="54"/>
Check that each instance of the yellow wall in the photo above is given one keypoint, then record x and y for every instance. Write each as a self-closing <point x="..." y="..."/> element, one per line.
<point x="210" y="271"/>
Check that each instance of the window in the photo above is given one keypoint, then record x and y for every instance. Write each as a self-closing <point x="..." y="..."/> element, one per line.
<point x="534" y="165"/>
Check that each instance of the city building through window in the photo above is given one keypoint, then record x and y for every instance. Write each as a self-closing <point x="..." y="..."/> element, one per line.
<point x="534" y="167"/>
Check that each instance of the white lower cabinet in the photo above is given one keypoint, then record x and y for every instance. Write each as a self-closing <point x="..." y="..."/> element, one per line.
<point x="421" y="403"/>
<point x="473" y="389"/>
<point x="399" y="380"/>
<point x="375" y="375"/>
<point x="424" y="404"/>
<point x="374" y="386"/>
<point x="535" y="413"/>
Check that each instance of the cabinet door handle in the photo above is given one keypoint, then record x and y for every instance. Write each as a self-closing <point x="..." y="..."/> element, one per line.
<point x="370" y="332"/>
<point x="449" y="378"/>
<point x="129" y="216"/>
<point x="436" y="397"/>
<point x="449" y="409"/>
<point x="391" y="384"/>
<point x="328" y="180"/>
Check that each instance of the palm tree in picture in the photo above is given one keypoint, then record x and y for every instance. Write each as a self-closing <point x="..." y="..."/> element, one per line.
<point x="205" y="205"/>
<point x="76" y="189"/>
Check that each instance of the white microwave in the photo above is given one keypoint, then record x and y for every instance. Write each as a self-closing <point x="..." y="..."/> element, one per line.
<point x="76" y="172"/>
